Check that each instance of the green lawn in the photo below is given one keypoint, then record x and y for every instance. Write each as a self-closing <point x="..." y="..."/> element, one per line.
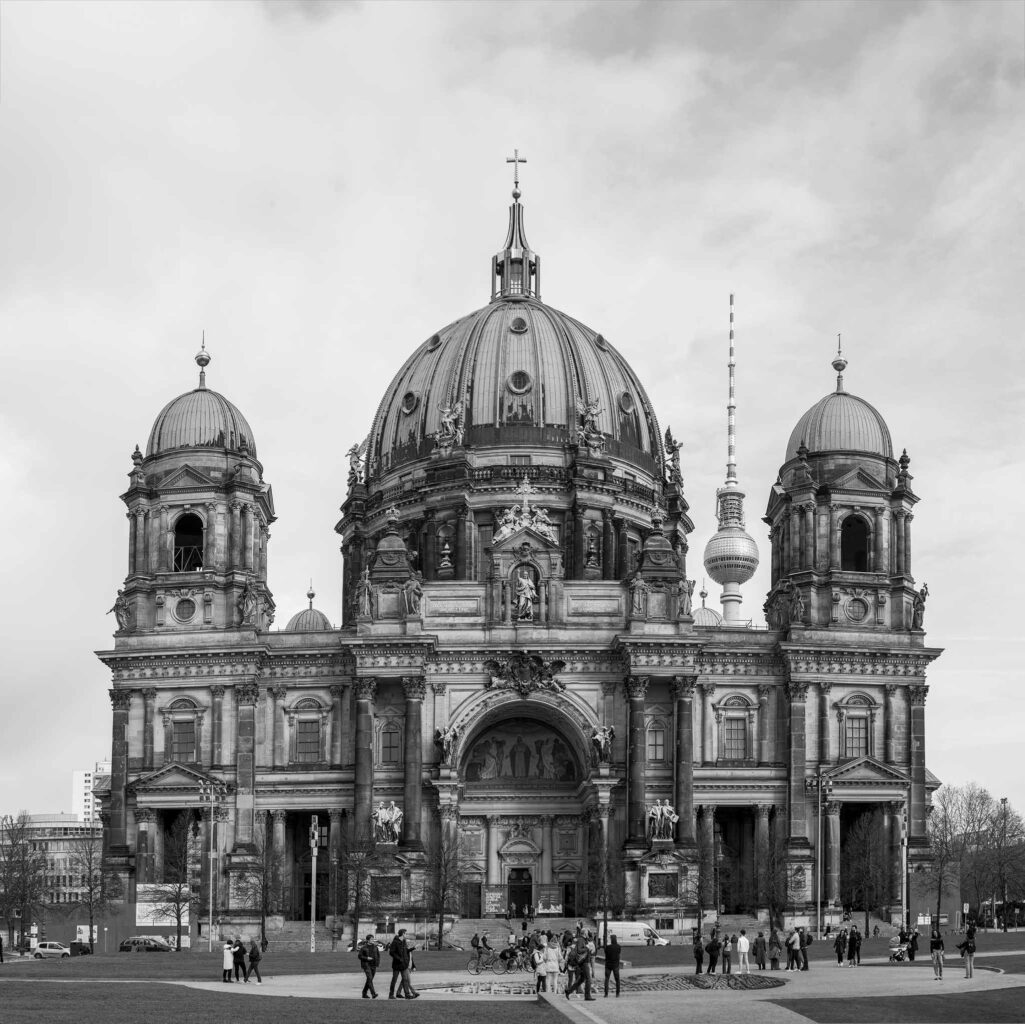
<point x="996" y="1007"/>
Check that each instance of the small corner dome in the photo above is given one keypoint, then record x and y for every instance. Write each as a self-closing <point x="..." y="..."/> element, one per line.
<point x="309" y="620"/>
<point x="200" y="419"/>
<point x="707" y="617"/>
<point x="841" y="422"/>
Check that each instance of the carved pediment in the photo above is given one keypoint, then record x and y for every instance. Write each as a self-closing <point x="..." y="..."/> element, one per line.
<point x="858" y="479"/>
<point x="525" y="534"/>
<point x="172" y="779"/>
<point x="520" y="850"/>
<point x="187" y="476"/>
<point x="866" y="771"/>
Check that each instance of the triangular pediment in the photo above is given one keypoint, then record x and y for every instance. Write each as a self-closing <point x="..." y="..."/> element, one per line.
<point x="187" y="476"/>
<point x="866" y="771"/>
<point x="525" y="535"/>
<point x="173" y="778"/>
<point x="858" y="479"/>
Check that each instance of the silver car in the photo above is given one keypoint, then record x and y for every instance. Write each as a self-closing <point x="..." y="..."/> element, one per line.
<point x="57" y="949"/>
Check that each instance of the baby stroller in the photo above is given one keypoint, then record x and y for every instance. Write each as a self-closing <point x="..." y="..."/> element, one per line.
<point x="899" y="953"/>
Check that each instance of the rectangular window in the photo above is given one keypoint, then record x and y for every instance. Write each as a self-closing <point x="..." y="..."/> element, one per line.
<point x="519" y="460"/>
<point x="656" y="744"/>
<point x="390" y="746"/>
<point x="307" y="741"/>
<point x="662" y="886"/>
<point x="857" y="736"/>
<point x="735" y="738"/>
<point x="183" y="741"/>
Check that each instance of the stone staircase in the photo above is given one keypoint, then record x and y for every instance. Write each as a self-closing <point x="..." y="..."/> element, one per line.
<point x="498" y="928"/>
<point x="294" y="937"/>
<point x="732" y="923"/>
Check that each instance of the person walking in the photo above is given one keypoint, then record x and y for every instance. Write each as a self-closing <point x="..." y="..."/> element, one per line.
<point x="743" y="948"/>
<point x="399" y="953"/>
<point x="553" y="964"/>
<point x="370" y="960"/>
<point x="539" y="963"/>
<point x="840" y="946"/>
<point x="1" y="949"/>
<point x="699" y="951"/>
<point x="805" y="936"/>
<point x="936" y="952"/>
<point x="613" y="958"/>
<point x="913" y="945"/>
<point x="712" y="949"/>
<point x="255" y="956"/>
<point x="238" y="955"/>
<point x="227" y="961"/>
<point x="969" y="952"/>
<point x="857" y="947"/>
<point x="759" y="951"/>
<point x="727" y="953"/>
<point x="852" y="947"/>
<point x="775" y="949"/>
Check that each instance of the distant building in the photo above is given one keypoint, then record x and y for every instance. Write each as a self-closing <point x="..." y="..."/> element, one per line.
<point x="83" y="804"/>
<point x="56" y="836"/>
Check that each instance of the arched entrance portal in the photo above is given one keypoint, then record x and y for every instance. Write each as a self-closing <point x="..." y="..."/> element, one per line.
<point x="521" y="891"/>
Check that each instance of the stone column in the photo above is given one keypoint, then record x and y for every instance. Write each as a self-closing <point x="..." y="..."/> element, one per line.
<point x="140" y="541"/>
<point x="507" y="602"/>
<point x="579" y="542"/>
<point x="430" y="559"/>
<point x="277" y="710"/>
<point x="826" y="756"/>
<point x="334" y="847"/>
<point x="247" y="536"/>
<point x="366" y="691"/>
<point x="210" y="536"/>
<point x="145" y="817"/>
<point x="892" y="821"/>
<point x="547" y="849"/>
<point x="795" y="538"/>
<point x="890" y="723"/>
<point x="878" y="550"/>
<point x="130" y="516"/>
<point x="636" y="687"/>
<point x="246" y="695"/>
<point x="706" y="838"/>
<point x="149" y="696"/>
<point x="762" y="854"/>
<point x="121" y="702"/>
<point x="764" y="727"/>
<point x="462" y="543"/>
<point x="834" y="537"/>
<point x="809" y="535"/>
<point x="797" y="692"/>
<point x="907" y="543"/>
<point x="917" y="812"/>
<point x="278" y="847"/>
<point x="608" y="545"/>
<point x="336" y="726"/>
<point x="623" y="551"/>
<point x="683" y="694"/>
<point x="217" y="727"/>
<point x="708" y="723"/>
<point x="494" y="841"/>
<point x="901" y="538"/>
<point x="832" y="852"/>
<point x="163" y="545"/>
<point x="415" y="688"/>
<point x="774" y="545"/>
<point x="236" y="534"/>
<point x="263" y="538"/>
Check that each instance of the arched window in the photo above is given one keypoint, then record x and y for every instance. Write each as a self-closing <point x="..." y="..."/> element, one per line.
<point x="857" y="725"/>
<point x="188" y="543"/>
<point x="736" y="718"/>
<point x="183" y="721"/>
<point x="854" y="544"/>
<point x="307" y="722"/>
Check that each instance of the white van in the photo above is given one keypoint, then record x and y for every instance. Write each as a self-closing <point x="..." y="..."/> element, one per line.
<point x="633" y="933"/>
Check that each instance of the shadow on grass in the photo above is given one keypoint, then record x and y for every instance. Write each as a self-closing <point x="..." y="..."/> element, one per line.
<point x="994" y="1007"/>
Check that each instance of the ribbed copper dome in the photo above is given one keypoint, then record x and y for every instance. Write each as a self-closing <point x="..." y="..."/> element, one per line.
<point x="841" y="422"/>
<point x="200" y="419"/>
<point x="309" y="620"/>
<point x="520" y="368"/>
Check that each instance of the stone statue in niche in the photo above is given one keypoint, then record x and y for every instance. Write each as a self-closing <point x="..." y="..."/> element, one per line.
<point x="450" y="433"/>
<point x="918" y="607"/>
<point x="589" y="434"/>
<point x="122" y="612"/>
<point x="365" y="596"/>
<point x="602" y="738"/>
<point x="638" y="595"/>
<point x="796" y="606"/>
<point x="686" y="597"/>
<point x="445" y="739"/>
<point x="526" y="595"/>
<point x="412" y="593"/>
<point x="247" y="602"/>
<point x="387" y="823"/>
<point x="661" y="819"/>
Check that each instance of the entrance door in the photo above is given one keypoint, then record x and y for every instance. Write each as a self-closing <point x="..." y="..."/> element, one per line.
<point x="569" y="899"/>
<point x="305" y="887"/>
<point x="471" y="899"/>
<point x="521" y="890"/>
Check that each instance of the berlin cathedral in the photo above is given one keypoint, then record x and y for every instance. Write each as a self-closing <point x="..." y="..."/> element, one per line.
<point x="521" y="667"/>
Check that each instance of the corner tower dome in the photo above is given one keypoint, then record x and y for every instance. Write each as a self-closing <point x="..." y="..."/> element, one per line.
<point x="200" y="419"/>
<point x="309" y="620"/>
<point x="841" y="422"/>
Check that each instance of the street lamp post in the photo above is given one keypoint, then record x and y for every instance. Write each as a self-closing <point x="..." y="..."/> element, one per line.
<point x="314" y="843"/>
<point x="905" y="880"/>
<point x="211" y="794"/>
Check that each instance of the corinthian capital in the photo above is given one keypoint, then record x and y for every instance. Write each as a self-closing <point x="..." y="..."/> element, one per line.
<point x="120" y="700"/>
<point x="918" y="695"/>
<point x="636" y="686"/>
<point x="366" y="688"/>
<point x="683" y="687"/>
<point x="414" y="687"/>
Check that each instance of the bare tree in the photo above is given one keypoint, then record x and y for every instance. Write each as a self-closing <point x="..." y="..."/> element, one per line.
<point x="99" y="888"/>
<point x="773" y="876"/>
<point x="866" y="865"/>
<point x="175" y="895"/>
<point x="606" y="884"/>
<point x="446" y="862"/>
<point x="22" y="872"/>
<point x="357" y="859"/>
<point x="258" y="885"/>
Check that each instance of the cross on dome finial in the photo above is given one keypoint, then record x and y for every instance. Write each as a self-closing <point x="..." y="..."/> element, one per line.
<point x="203" y="361"/>
<point x="516" y="160"/>
<point x="525" y="491"/>
<point x="839" y="364"/>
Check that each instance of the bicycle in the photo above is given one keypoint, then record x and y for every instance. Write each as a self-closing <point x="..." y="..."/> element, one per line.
<point x="486" y="962"/>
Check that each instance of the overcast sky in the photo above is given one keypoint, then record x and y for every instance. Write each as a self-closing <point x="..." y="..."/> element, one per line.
<point x="320" y="187"/>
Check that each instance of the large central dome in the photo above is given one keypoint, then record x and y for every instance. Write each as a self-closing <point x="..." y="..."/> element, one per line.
<point x="521" y="371"/>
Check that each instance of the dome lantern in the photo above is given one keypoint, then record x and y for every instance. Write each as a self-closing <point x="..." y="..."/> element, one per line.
<point x="516" y="269"/>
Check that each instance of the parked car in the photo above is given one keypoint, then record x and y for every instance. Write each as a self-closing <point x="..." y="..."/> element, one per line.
<point x="144" y="944"/>
<point x="48" y="949"/>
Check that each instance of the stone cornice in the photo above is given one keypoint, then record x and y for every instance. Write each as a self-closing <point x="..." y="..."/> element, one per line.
<point x="675" y="656"/>
<point x="815" y="661"/>
<point x="184" y="667"/>
<point x="470" y="660"/>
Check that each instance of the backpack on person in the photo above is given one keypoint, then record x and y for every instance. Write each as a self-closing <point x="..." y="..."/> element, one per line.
<point x="537" y="958"/>
<point x="475" y="942"/>
<point x="573" y="958"/>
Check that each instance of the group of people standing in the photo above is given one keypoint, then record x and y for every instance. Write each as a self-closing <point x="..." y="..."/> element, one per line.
<point x="720" y="950"/>
<point x="847" y="945"/>
<point x="233" y="958"/>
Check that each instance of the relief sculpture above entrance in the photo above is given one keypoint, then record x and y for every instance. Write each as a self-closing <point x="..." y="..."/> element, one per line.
<point x="522" y="750"/>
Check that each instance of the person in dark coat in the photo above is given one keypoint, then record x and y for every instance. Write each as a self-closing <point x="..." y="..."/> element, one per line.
<point x="699" y="951"/>
<point x="238" y="956"/>
<point x="613" y="957"/>
<point x="369" y="960"/>
<point x="713" y="949"/>
<point x="759" y="951"/>
<point x="913" y="945"/>
<point x="399" y="952"/>
<point x="852" y="947"/>
<point x="255" y="956"/>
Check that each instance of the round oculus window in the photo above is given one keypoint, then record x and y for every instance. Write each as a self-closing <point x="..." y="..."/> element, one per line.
<point x="519" y="325"/>
<point x="519" y="382"/>
<point x="600" y="341"/>
<point x="857" y="609"/>
<point x="434" y="342"/>
<point x="626" y="402"/>
<point x="410" y="400"/>
<point x="185" y="609"/>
